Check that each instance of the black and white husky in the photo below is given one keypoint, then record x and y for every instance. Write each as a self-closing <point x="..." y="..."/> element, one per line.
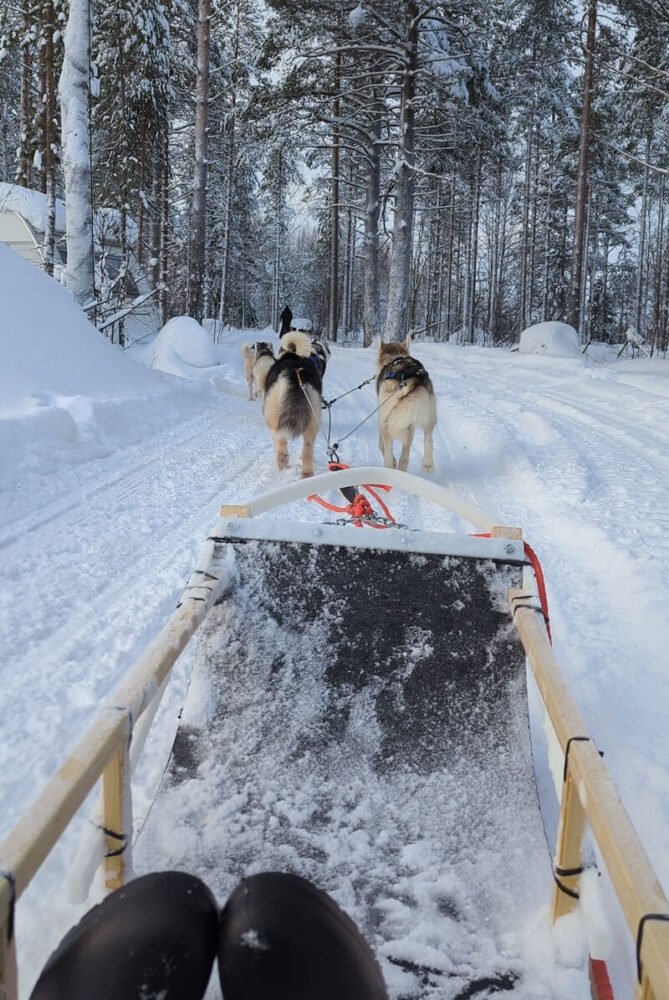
<point x="292" y="401"/>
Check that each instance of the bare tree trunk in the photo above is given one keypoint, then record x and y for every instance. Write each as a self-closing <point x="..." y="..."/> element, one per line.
<point x="449" y="264"/>
<point x="400" y="263"/>
<point x="493" y="294"/>
<point x="348" y="260"/>
<point x="333" y="315"/>
<point x="278" y="239"/>
<point x="469" y="297"/>
<point x="577" y="267"/>
<point x="198" y="229"/>
<point x="371" y="288"/>
<point x="227" y="220"/>
<point x="74" y="100"/>
<point x="23" y="175"/>
<point x="49" y="136"/>
<point x="639" y="310"/>
<point x="164" y="227"/>
<point x="524" y="240"/>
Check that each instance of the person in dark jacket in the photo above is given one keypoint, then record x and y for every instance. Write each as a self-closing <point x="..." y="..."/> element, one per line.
<point x="286" y="318"/>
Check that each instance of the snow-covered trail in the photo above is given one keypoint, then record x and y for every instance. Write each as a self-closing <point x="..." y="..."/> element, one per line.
<point x="94" y="556"/>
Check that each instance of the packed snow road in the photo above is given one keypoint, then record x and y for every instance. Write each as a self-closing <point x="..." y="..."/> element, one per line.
<point x="575" y="451"/>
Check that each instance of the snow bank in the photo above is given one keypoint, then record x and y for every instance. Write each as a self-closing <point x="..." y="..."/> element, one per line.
<point x="66" y="394"/>
<point x="183" y="345"/>
<point x="557" y="339"/>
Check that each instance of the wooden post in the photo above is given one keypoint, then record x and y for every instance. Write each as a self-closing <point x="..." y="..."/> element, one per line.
<point x="9" y="989"/>
<point x="568" y="863"/>
<point x="117" y="815"/>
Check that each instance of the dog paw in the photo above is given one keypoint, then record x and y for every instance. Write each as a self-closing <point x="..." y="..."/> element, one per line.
<point x="428" y="468"/>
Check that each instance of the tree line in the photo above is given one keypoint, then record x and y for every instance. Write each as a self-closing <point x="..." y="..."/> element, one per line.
<point x="445" y="169"/>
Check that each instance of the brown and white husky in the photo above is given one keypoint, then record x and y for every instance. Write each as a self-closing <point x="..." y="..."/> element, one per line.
<point x="258" y="359"/>
<point x="292" y="401"/>
<point x="407" y="401"/>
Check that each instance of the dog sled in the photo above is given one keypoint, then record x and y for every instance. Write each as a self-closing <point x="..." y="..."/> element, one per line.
<point x="358" y="714"/>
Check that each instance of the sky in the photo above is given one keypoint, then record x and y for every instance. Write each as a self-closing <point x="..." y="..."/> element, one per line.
<point x="113" y="466"/>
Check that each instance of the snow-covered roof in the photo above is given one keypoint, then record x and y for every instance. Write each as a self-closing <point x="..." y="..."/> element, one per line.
<point x="32" y="205"/>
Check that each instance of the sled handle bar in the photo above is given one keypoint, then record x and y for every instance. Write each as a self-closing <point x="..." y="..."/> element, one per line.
<point x="300" y="489"/>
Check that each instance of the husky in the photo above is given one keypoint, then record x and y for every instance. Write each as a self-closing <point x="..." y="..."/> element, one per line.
<point x="292" y="402"/>
<point x="406" y="401"/>
<point x="258" y="359"/>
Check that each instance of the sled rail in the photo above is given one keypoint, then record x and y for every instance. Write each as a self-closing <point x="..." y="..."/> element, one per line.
<point x="589" y="798"/>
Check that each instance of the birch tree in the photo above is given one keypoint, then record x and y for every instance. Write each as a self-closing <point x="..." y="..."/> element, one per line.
<point x="198" y="217"/>
<point x="74" y="102"/>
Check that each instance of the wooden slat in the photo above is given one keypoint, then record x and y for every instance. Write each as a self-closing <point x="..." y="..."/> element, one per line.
<point x="633" y="878"/>
<point x="569" y="850"/>
<point x="501" y="531"/>
<point x="9" y="987"/>
<point x="235" y="510"/>
<point x="117" y="816"/>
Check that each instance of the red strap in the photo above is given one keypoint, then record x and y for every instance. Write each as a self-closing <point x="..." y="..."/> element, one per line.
<point x="533" y="560"/>
<point x="360" y="509"/>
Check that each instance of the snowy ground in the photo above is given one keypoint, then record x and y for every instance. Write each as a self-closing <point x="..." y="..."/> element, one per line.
<point x="111" y="476"/>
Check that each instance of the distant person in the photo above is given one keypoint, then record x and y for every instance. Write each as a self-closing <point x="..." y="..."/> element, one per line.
<point x="278" y="937"/>
<point x="286" y="318"/>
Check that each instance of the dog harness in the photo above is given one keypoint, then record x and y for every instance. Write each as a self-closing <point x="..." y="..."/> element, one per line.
<point x="404" y="368"/>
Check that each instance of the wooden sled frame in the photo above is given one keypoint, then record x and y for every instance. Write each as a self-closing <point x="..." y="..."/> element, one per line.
<point x="589" y="798"/>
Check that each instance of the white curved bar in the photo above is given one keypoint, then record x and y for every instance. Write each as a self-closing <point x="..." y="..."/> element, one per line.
<point x="302" y="488"/>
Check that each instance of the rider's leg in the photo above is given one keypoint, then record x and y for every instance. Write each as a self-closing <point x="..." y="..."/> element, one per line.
<point x="156" y="936"/>
<point x="284" y="939"/>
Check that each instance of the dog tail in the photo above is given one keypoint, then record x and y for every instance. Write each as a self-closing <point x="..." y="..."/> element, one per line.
<point x="297" y="342"/>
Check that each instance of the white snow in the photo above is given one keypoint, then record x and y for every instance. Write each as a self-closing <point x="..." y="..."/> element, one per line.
<point x="557" y="339"/>
<point x="112" y="473"/>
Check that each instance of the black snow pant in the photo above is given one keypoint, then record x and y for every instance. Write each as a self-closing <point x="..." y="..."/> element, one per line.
<point x="277" y="938"/>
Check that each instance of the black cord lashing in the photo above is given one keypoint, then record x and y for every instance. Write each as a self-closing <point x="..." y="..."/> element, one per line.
<point x="639" y="937"/>
<point x="572" y="739"/>
<point x="529" y="607"/>
<point x="11" y="880"/>
<point x="560" y="873"/>
<point x="121" y="837"/>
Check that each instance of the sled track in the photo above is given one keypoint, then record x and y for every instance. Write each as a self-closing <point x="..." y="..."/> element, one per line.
<point x="361" y="719"/>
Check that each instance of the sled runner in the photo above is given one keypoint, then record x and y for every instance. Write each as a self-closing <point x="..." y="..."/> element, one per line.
<point x="358" y="715"/>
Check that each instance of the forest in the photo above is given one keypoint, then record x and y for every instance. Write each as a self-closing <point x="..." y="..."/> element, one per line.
<point x="449" y="170"/>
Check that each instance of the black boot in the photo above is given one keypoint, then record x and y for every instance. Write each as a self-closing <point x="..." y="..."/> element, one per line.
<point x="284" y="939"/>
<point x="156" y="936"/>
